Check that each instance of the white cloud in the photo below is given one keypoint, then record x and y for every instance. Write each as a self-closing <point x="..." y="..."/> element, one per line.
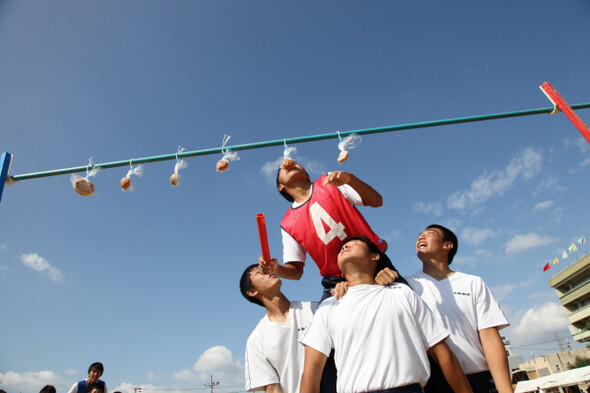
<point x="152" y="376"/>
<point x="501" y="292"/>
<point x="474" y="236"/>
<point x="524" y="166"/>
<point x="524" y="242"/>
<point x="3" y="247"/>
<point x="434" y="208"/>
<point x="544" y="205"/>
<point x="539" y="322"/>
<point x="32" y="381"/>
<point x="269" y="170"/>
<point x="185" y="376"/>
<point x="218" y="360"/>
<point x="41" y="265"/>
<point x="71" y="372"/>
<point x="313" y="168"/>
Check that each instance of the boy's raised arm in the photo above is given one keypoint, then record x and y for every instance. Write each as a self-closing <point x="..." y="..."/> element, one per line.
<point x="368" y="194"/>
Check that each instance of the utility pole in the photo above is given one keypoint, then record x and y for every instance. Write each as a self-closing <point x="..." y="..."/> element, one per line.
<point x="211" y="384"/>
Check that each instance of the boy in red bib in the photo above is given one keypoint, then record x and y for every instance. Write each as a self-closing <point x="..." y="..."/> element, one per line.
<point x="322" y="215"/>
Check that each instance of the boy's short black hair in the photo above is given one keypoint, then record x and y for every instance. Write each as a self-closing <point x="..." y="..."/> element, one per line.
<point x="448" y="236"/>
<point x="48" y="389"/>
<point x="96" y="366"/>
<point x="246" y="285"/>
<point x="382" y="263"/>
<point x="97" y="386"/>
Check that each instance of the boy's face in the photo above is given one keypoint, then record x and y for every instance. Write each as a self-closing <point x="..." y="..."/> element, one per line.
<point x="431" y="241"/>
<point x="353" y="251"/>
<point x="93" y="376"/>
<point x="264" y="282"/>
<point x="295" y="172"/>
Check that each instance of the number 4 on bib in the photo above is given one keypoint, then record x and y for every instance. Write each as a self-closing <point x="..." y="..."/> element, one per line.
<point x="321" y="217"/>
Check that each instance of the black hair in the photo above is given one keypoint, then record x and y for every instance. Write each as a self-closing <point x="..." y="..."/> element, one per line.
<point x="246" y="285"/>
<point x="448" y="236"/>
<point x="48" y="389"/>
<point x="382" y="262"/>
<point x="96" y="385"/>
<point x="96" y="366"/>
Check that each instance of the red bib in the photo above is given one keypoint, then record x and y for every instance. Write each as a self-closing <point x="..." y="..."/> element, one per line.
<point x="323" y="222"/>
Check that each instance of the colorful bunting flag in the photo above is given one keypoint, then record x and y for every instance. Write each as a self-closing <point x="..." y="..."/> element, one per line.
<point x="582" y="240"/>
<point x="555" y="261"/>
<point x="547" y="267"/>
<point x="573" y="248"/>
<point x="564" y="255"/>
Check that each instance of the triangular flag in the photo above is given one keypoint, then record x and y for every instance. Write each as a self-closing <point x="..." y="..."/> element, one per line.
<point x="555" y="261"/>
<point x="573" y="248"/>
<point x="564" y="255"/>
<point x="547" y="267"/>
<point x="582" y="240"/>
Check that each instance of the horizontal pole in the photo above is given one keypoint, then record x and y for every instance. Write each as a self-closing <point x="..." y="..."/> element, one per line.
<point x="291" y="141"/>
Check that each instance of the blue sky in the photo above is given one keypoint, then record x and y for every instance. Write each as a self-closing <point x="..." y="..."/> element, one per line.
<point x="147" y="281"/>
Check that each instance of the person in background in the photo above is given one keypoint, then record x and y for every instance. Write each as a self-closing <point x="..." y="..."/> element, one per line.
<point x="95" y="371"/>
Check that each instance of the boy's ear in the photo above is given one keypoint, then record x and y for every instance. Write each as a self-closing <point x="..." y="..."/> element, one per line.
<point x="281" y="187"/>
<point x="252" y="292"/>
<point x="375" y="257"/>
<point x="448" y="246"/>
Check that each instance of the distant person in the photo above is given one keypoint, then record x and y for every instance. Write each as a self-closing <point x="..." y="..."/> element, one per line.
<point x="380" y="334"/>
<point x="96" y="388"/>
<point x="95" y="371"/>
<point x="48" y="389"/>
<point x="322" y="215"/>
<point x="467" y="308"/>
<point x="274" y="357"/>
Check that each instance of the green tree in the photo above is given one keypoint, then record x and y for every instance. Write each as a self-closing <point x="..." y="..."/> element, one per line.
<point x="579" y="361"/>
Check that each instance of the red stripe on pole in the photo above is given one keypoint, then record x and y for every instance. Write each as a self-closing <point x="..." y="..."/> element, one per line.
<point x="560" y="103"/>
<point x="260" y="220"/>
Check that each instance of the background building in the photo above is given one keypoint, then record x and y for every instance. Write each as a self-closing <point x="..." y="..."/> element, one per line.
<point x="573" y="289"/>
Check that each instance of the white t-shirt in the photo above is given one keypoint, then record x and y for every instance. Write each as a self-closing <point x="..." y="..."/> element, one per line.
<point x="379" y="334"/>
<point x="292" y="250"/>
<point x="273" y="352"/>
<point x="465" y="306"/>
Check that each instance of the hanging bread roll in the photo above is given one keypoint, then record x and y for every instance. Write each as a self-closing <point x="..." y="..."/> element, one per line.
<point x="84" y="187"/>
<point x="125" y="183"/>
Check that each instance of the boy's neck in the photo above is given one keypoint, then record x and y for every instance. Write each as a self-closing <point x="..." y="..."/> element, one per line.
<point x="277" y="308"/>
<point x="436" y="268"/>
<point x="359" y="278"/>
<point x="301" y="192"/>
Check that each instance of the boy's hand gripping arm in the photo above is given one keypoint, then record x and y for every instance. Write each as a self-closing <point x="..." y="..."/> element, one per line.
<point x="290" y="270"/>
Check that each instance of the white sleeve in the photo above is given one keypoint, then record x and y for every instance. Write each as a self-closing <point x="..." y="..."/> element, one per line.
<point x="292" y="250"/>
<point x="489" y="313"/>
<point x="258" y="370"/>
<point x="317" y="335"/>
<point x="433" y="330"/>
<point x="351" y="195"/>
<point x="74" y="389"/>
